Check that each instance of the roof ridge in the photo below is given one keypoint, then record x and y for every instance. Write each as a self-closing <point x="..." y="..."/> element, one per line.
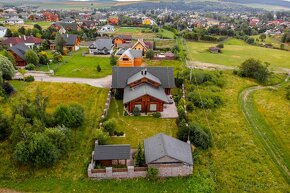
<point x="163" y="144"/>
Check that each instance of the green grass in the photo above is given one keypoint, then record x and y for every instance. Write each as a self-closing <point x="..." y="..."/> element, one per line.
<point x="274" y="40"/>
<point x="177" y="64"/>
<point x="135" y="32"/>
<point x="236" y="52"/>
<point x="165" y="43"/>
<point x="239" y="159"/>
<point x="138" y="128"/>
<point x="130" y="29"/>
<point x="43" y="24"/>
<point x="76" y="65"/>
<point x="166" y="34"/>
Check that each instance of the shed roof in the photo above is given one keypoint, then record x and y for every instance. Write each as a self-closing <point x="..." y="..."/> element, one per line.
<point x="139" y="91"/>
<point x="112" y="152"/>
<point x="122" y="74"/>
<point x="161" y="145"/>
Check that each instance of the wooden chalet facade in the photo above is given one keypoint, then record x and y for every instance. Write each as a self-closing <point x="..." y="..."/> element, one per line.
<point x="130" y="58"/>
<point x="143" y="46"/>
<point x="18" y="51"/>
<point x="72" y="43"/>
<point x="147" y="89"/>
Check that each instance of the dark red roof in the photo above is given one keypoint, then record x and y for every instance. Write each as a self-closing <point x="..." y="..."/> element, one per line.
<point x="17" y="40"/>
<point x="149" y="45"/>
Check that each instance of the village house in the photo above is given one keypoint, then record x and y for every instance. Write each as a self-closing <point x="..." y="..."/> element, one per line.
<point x="121" y="39"/>
<point x="68" y="20"/>
<point x="29" y="41"/>
<point x="3" y="31"/>
<point x="10" y="10"/>
<point x="148" y="21"/>
<point x="89" y="25"/>
<point x="123" y="47"/>
<point x="18" y="51"/>
<point x="14" y="21"/>
<point x="106" y="29"/>
<point x="35" y="18"/>
<point x="113" y="21"/>
<point x="145" y="88"/>
<point x="102" y="46"/>
<point x="63" y="28"/>
<point x="143" y="46"/>
<point x="72" y="43"/>
<point x="130" y="58"/>
<point x="50" y="17"/>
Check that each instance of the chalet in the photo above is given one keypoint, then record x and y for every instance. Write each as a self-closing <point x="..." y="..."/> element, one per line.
<point x="109" y="155"/>
<point x="65" y="27"/>
<point x="29" y="41"/>
<point x="215" y="50"/>
<point x="164" y="151"/>
<point x="143" y="46"/>
<point x="89" y="25"/>
<point x="147" y="89"/>
<point x="35" y="18"/>
<point x="102" y="46"/>
<point x="18" y="52"/>
<point x="113" y="20"/>
<point x="72" y="43"/>
<point x="130" y="58"/>
<point x="50" y="17"/>
<point x="147" y="21"/>
<point x="14" y="21"/>
<point x="3" y="31"/>
<point x="107" y="29"/>
<point x="123" y="48"/>
<point x="121" y="39"/>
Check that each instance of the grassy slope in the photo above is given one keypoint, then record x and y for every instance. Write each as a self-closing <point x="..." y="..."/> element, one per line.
<point x="241" y="164"/>
<point x="76" y="65"/>
<point x="138" y="128"/>
<point x="274" y="40"/>
<point x="236" y="52"/>
<point x="166" y="34"/>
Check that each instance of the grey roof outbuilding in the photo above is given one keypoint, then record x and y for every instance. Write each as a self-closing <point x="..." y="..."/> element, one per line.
<point x="102" y="44"/>
<point x="162" y="145"/>
<point x="112" y="152"/>
<point x="120" y="75"/>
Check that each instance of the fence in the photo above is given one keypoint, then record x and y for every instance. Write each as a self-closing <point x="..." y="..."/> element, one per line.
<point x="107" y="106"/>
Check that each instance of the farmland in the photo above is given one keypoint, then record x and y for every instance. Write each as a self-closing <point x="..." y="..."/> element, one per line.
<point x="235" y="52"/>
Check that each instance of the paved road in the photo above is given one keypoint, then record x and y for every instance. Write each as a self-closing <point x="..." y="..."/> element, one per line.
<point x="105" y="82"/>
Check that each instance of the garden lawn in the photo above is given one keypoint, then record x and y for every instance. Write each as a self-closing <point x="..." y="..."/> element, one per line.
<point x="235" y="52"/>
<point x="138" y="128"/>
<point x="70" y="173"/>
<point x="177" y="64"/>
<point x="239" y="158"/>
<point x="76" y="65"/>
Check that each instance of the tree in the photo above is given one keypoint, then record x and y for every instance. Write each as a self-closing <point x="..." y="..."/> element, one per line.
<point x="31" y="57"/>
<point x="110" y="126"/>
<point x="8" y="33"/>
<point x="6" y="68"/>
<point x="139" y="156"/>
<point x="150" y="54"/>
<point x="4" y="126"/>
<point x="45" y="45"/>
<point x="113" y="60"/>
<point x="21" y="30"/>
<point x="254" y="69"/>
<point x="263" y="37"/>
<point x="251" y="41"/>
<point x="136" y="111"/>
<point x="43" y="58"/>
<point x="10" y="56"/>
<point x="71" y="116"/>
<point x="37" y="27"/>
<point x="59" y="42"/>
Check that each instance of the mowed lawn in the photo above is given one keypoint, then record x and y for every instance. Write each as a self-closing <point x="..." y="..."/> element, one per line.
<point x="77" y="65"/>
<point x="235" y="52"/>
<point x="138" y="128"/>
<point x="239" y="160"/>
<point x="135" y="32"/>
<point x="177" y="64"/>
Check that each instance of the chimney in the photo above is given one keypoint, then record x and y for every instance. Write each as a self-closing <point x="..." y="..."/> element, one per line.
<point x="145" y="71"/>
<point x="24" y="37"/>
<point x="96" y="142"/>
<point x="141" y="72"/>
<point x="67" y="35"/>
<point x="11" y="45"/>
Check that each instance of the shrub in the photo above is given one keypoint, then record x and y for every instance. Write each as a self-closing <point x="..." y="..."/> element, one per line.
<point x="152" y="174"/>
<point x="196" y="134"/>
<point x="30" y="67"/>
<point x="57" y="57"/>
<point x="43" y="58"/>
<point x="31" y="57"/>
<point x="189" y="107"/>
<point x="139" y="158"/>
<point x="99" y="68"/>
<point x="101" y="136"/>
<point x="71" y="116"/>
<point x="150" y="54"/>
<point x="220" y="46"/>
<point x="205" y="100"/>
<point x="136" y="111"/>
<point x="4" y="126"/>
<point x="288" y="92"/>
<point x="110" y="126"/>
<point x="254" y="69"/>
<point x="157" y="114"/>
<point x="251" y="41"/>
<point x="113" y="60"/>
<point x="6" y="68"/>
<point x="8" y="88"/>
<point x="29" y="78"/>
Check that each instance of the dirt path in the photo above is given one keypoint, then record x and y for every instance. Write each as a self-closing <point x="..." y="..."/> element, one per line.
<point x="208" y="66"/>
<point x="263" y="131"/>
<point x="4" y="190"/>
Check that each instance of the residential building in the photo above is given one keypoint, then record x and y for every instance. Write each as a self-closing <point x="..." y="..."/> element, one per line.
<point x="18" y="52"/>
<point x="50" y="17"/>
<point x="68" y="20"/>
<point x="14" y="21"/>
<point x="29" y="41"/>
<point x="143" y="46"/>
<point x="65" y="27"/>
<point x="130" y="58"/>
<point x="72" y="43"/>
<point x="121" y="39"/>
<point x="102" y="46"/>
<point x="3" y="31"/>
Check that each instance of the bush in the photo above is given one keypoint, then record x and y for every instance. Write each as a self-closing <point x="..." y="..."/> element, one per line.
<point x="71" y="116"/>
<point x="8" y="88"/>
<point x="150" y="54"/>
<point x="57" y="57"/>
<point x="31" y="57"/>
<point x="7" y="70"/>
<point x="220" y="46"/>
<point x="110" y="126"/>
<point x="189" y="107"/>
<point x="4" y="126"/>
<point x="139" y="158"/>
<point x="254" y="69"/>
<point x="288" y="92"/>
<point x="197" y="135"/>
<point x="136" y="111"/>
<point x="43" y="58"/>
<point x="113" y="60"/>
<point x="157" y="114"/>
<point x="205" y="100"/>
<point x="99" y="68"/>
<point x="29" y="78"/>
<point x="30" y="67"/>
<point x="101" y="136"/>
<point x="152" y="173"/>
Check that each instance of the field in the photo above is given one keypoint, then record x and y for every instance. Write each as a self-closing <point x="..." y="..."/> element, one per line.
<point x="274" y="40"/>
<point x="177" y="64"/>
<point x="136" y="32"/>
<point x="76" y="65"/>
<point x="166" y="34"/>
<point x="138" y="128"/>
<point x="165" y="43"/>
<point x="235" y="52"/>
<point x="240" y="161"/>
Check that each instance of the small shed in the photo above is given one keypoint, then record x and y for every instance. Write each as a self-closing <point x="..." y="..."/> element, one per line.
<point x="215" y="50"/>
<point x="108" y="155"/>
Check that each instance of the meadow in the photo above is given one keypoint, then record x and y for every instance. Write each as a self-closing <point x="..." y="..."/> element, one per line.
<point x="235" y="52"/>
<point x="135" y="32"/>
<point x="77" y="65"/>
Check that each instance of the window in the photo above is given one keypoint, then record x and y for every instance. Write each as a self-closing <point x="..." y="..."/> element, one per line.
<point x="125" y="59"/>
<point x="139" y="106"/>
<point x="153" y="107"/>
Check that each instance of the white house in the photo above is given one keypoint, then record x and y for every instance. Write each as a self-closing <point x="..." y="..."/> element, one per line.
<point x="107" y="28"/>
<point x="14" y="21"/>
<point x="3" y="31"/>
